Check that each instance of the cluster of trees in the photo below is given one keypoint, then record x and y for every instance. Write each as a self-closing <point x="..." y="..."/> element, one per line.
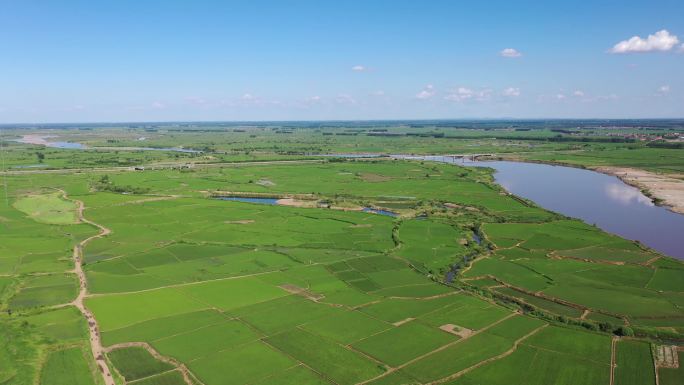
<point x="106" y="184"/>
<point x="664" y="144"/>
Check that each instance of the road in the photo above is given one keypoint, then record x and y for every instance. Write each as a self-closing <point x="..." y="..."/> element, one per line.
<point x="93" y="328"/>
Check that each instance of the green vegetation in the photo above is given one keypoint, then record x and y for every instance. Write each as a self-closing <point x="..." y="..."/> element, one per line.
<point x="403" y="343"/>
<point x="347" y="327"/>
<point x="320" y="292"/>
<point x="45" y="290"/>
<point x="166" y="378"/>
<point x="670" y="376"/>
<point x="337" y="362"/>
<point x="202" y="342"/>
<point x="241" y="365"/>
<point x="135" y="362"/>
<point x="67" y="366"/>
<point x="48" y="208"/>
<point x="634" y="364"/>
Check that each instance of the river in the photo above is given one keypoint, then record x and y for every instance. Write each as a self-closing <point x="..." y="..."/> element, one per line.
<point x="42" y="140"/>
<point x="593" y="197"/>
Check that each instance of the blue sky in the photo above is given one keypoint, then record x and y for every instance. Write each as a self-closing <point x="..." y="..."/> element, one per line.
<point x="87" y="61"/>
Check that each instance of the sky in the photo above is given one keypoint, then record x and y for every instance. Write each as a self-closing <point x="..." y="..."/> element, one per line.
<point x="146" y="60"/>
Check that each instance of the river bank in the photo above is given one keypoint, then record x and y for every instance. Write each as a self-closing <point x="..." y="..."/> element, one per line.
<point x="663" y="190"/>
<point x="597" y="198"/>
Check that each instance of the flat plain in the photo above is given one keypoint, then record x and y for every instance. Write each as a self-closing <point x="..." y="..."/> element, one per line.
<point x="453" y="281"/>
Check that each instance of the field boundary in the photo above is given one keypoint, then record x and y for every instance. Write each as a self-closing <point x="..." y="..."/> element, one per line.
<point x="508" y="352"/>
<point x="439" y="349"/>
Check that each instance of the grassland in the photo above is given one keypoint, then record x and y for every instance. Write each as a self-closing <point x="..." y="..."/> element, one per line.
<point x="48" y="208"/>
<point x="223" y="292"/>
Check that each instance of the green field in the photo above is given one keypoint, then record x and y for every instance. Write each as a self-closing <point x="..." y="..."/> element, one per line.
<point x="69" y="366"/>
<point x="668" y="376"/>
<point x="634" y="364"/>
<point x="403" y="343"/>
<point x="320" y="291"/>
<point x="48" y="208"/>
<point x="340" y="364"/>
<point x="135" y="363"/>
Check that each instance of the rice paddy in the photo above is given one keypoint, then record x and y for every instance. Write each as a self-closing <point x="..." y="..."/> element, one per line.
<point x="188" y="289"/>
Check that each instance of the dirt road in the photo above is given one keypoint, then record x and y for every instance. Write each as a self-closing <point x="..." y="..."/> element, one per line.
<point x="93" y="329"/>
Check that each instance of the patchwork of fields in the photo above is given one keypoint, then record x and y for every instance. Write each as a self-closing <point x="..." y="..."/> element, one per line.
<point x="560" y="267"/>
<point x="187" y="289"/>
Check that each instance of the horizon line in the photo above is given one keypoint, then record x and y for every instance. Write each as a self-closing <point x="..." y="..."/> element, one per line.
<point x="335" y="121"/>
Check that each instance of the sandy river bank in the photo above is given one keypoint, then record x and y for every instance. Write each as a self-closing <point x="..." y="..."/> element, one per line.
<point x="667" y="190"/>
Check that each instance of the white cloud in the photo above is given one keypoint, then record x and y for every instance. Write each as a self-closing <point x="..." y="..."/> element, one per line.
<point x="660" y="41"/>
<point x="511" y="92"/>
<point x="578" y="93"/>
<point x="462" y="94"/>
<point x="378" y="93"/>
<point x="427" y="92"/>
<point x="345" y="99"/>
<point x="248" y="100"/>
<point x="664" y="89"/>
<point x="309" y="102"/>
<point x="359" y="68"/>
<point x="510" y="52"/>
<point x="158" y="105"/>
<point x="560" y="96"/>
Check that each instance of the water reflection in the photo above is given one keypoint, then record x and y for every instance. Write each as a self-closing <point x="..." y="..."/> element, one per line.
<point x="626" y="195"/>
<point x="379" y="212"/>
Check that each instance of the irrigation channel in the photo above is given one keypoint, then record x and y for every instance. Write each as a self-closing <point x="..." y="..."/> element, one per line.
<point x="595" y="198"/>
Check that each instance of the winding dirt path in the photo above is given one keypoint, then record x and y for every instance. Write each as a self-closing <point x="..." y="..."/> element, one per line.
<point x="93" y="328"/>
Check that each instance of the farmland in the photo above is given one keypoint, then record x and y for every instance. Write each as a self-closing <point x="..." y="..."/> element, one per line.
<point x="461" y="284"/>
